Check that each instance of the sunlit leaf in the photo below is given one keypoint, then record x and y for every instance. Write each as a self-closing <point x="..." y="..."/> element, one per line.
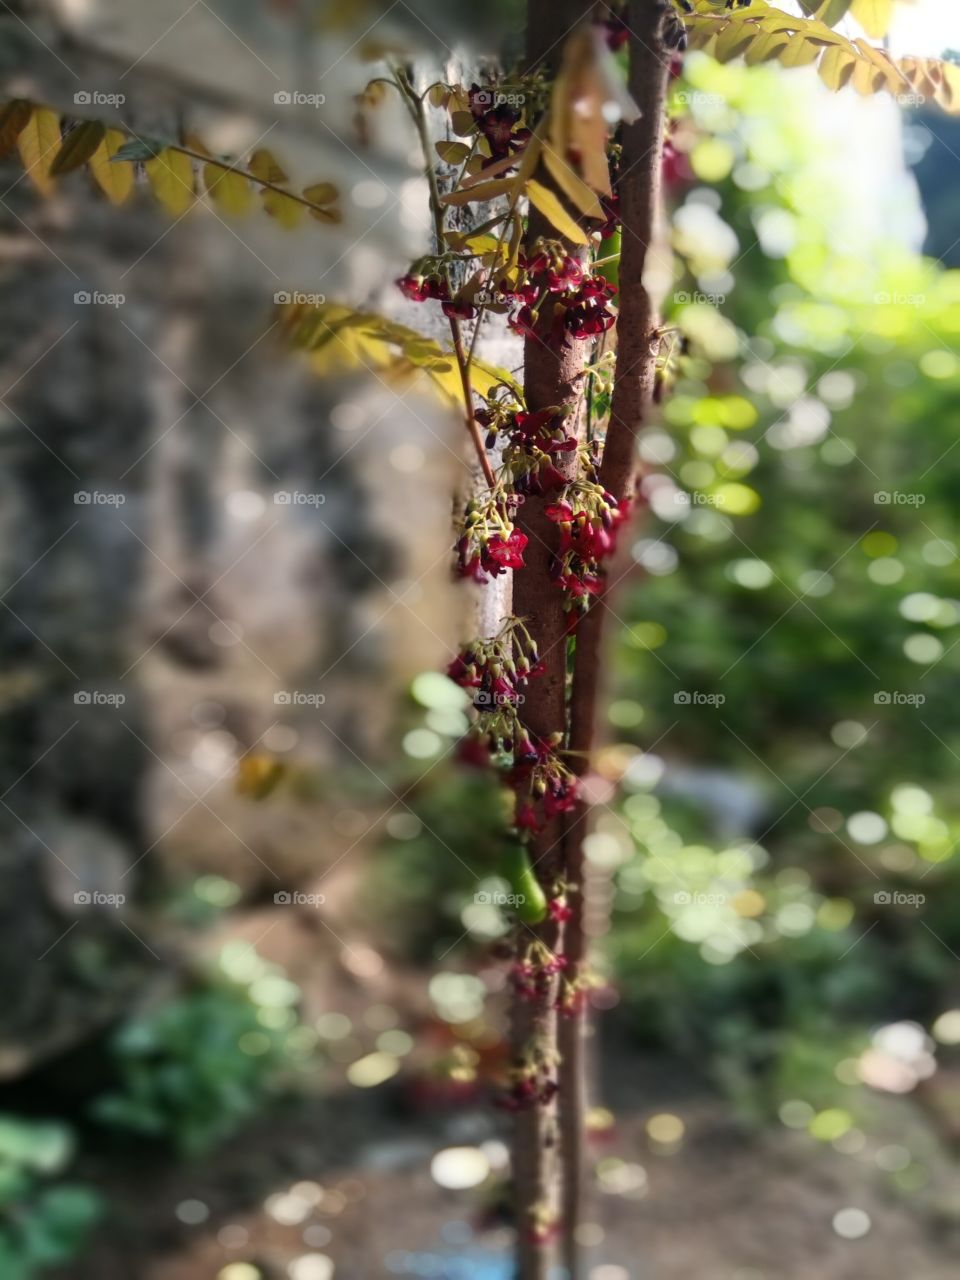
<point x="482" y="191"/>
<point x="171" y="178"/>
<point x="572" y="186"/>
<point x="549" y="204"/>
<point x="38" y="143"/>
<point x="113" y="177"/>
<point x="873" y="15"/>
<point x="229" y="190"/>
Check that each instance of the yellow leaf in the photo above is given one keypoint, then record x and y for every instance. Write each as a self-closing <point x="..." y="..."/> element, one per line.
<point x="78" y="146"/>
<point x="572" y="186"/>
<point x="321" y="193"/>
<point x="38" y="143"/>
<point x="171" y="177"/>
<point x="289" y="213"/>
<point x="948" y="92"/>
<point x="734" y="39"/>
<point x="113" y="177"/>
<point x="13" y="119"/>
<point x="482" y="191"/>
<point x="331" y="215"/>
<point x="577" y="123"/>
<point x="263" y="165"/>
<point x="766" y="48"/>
<point x="257" y="775"/>
<point x="836" y="68"/>
<point x="229" y="190"/>
<point x="873" y="15"/>
<point x="884" y="73"/>
<point x="798" y="52"/>
<point x="549" y="205"/>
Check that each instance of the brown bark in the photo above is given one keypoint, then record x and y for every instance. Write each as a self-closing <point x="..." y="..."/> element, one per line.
<point x="637" y="341"/>
<point x="553" y="376"/>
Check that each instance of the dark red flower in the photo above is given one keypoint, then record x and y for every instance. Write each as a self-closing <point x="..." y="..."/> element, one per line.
<point x="523" y="322"/>
<point x="507" y="552"/>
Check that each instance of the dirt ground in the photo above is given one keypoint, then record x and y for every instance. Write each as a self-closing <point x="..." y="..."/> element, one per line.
<point x="354" y="1173"/>
<point x="336" y="1184"/>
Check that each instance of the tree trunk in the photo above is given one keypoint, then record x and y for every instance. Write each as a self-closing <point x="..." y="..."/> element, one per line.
<point x="639" y="191"/>
<point x="553" y="375"/>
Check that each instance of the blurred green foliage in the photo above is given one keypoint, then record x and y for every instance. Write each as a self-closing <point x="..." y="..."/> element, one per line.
<point x="44" y="1221"/>
<point x="194" y="1068"/>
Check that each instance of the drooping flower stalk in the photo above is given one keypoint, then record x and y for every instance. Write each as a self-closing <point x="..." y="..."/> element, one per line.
<point x="549" y="511"/>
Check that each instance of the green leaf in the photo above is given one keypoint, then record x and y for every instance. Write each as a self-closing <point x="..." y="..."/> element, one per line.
<point x="78" y="146"/>
<point x="452" y="152"/>
<point x="139" y="149"/>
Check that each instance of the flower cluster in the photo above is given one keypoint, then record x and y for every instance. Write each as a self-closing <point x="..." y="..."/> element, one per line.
<point x="572" y="998"/>
<point x="498" y="669"/>
<point x="588" y="518"/>
<point x="488" y="544"/>
<point x="532" y="973"/>
<point x="426" y="282"/>
<point x="533" y="444"/>
<point x="499" y="123"/>
<point x="579" y="296"/>
<point x="542" y="784"/>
